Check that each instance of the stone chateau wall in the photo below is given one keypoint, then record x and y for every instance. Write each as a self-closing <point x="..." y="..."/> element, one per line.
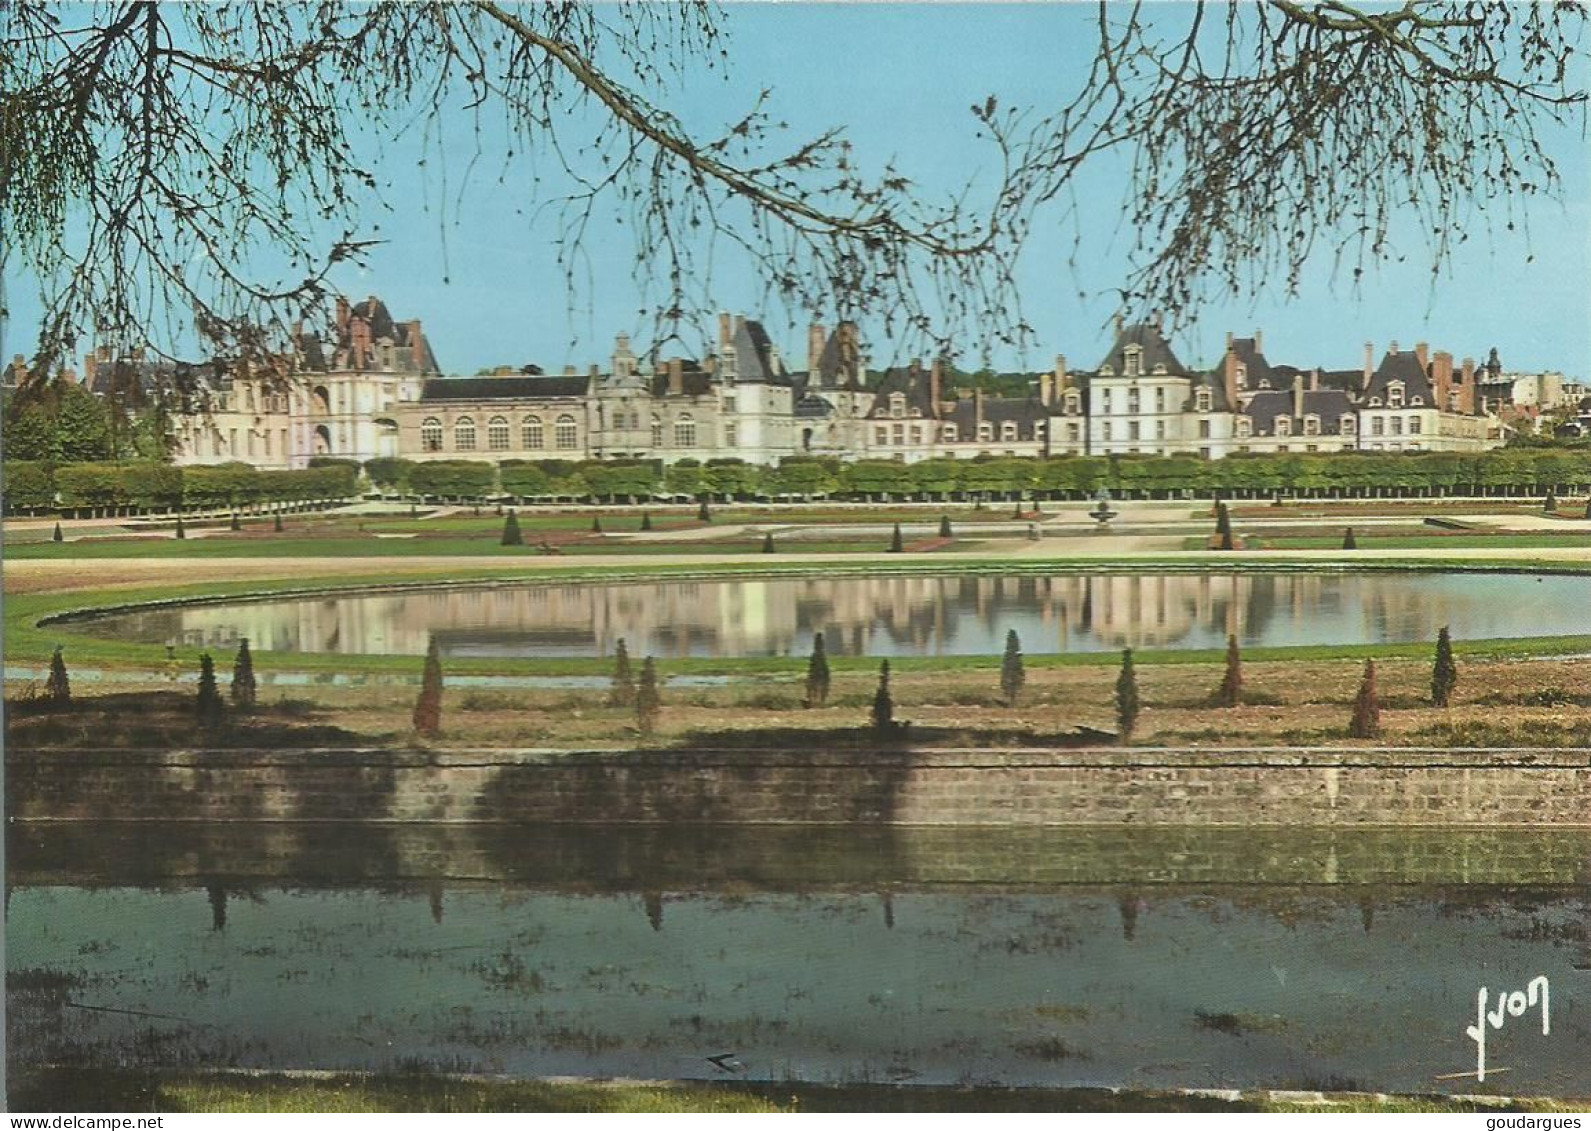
<point x="1341" y="788"/>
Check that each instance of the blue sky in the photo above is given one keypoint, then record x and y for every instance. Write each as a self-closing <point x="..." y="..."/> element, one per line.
<point x="477" y="267"/>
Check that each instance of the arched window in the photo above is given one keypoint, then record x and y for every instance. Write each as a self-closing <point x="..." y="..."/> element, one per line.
<point x="497" y="434"/>
<point x="531" y="435"/>
<point x="464" y="434"/>
<point x="431" y="434"/>
<point x="657" y="432"/>
<point x="565" y="436"/>
<point x="684" y="432"/>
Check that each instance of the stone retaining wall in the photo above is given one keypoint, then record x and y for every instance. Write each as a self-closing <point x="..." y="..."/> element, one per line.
<point x="1342" y="788"/>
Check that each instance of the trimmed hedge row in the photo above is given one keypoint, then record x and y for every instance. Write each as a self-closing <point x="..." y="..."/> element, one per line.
<point x="146" y="486"/>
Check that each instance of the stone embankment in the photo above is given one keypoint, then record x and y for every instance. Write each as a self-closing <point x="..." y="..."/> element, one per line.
<point x="1103" y="787"/>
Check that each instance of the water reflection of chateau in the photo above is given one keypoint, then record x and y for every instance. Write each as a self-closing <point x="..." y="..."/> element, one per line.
<point x="859" y="616"/>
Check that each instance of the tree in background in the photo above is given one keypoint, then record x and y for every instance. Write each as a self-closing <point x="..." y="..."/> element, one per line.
<point x="648" y="704"/>
<point x="1230" y="693"/>
<point x="244" y="687"/>
<point x="157" y="153"/>
<point x="511" y="534"/>
<point x="623" y="693"/>
<point x="1444" y="672"/>
<point x="1012" y="674"/>
<point x="58" y="688"/>
<point x="428" y="708"/>
<point x="817" y="674"/>
<point x="883" y="703"/>
<point x="1126" y="698"/>
<point x="1366" y="721"/>
<point x="209" y="703"/>
<point x="703" y="512"/>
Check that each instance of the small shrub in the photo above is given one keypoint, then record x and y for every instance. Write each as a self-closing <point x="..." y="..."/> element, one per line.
<point x="58" y="688"/>
<point x="1127" y="704"/>
<point x="1348" y="541"/>
<point x="428" y="708"/>
<point x="182" y="531"/>
<point x="767" y="543"/>
<point x="646" y="521"/>
<point x="1012" y="673"/>
<point x="1366" y="721"/>
<point x="209" y="702"/>
<point x="1230" y="693"/>
<point x="944" y="526"/>
<point x="817" y="674"/>
<point x="896" y="545"/>
<point x="511" y="532"/>
<point x="244" y="687"/>
<point x="883" y="701"/>
<point x="1444" y="672"/>
<point x="57" y="536"/>
<point x="648" y="704"/>
<point x="623" y="693"/>
<point x="703" y="512"/>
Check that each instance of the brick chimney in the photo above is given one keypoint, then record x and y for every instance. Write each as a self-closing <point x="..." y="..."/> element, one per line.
<point x="1314" y="379"/>
<point x="815" y="342"/>
<point x="1441" y="378"/>
<point x="676" y="376"/>
<point x="1229" y="374"/>
<point x="1421" y="350"/>
<point x="343" y="311"/>
<point x="936" y="384"/>
<point x="417" y="345"/>
<point x="1467" y="393"/>
<point x="725" y="328"/>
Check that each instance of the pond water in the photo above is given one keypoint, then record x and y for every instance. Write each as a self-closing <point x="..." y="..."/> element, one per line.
<point x="885" y="616"/>
<point x="1153" y="958"/>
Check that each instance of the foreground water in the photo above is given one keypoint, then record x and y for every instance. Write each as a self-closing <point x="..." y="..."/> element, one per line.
<point x="885" y="616"/>
<point x="1149" y="958"/>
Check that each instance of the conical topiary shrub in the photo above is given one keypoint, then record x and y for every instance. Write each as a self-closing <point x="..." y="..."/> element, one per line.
<point x="646" y="520"/>
<point x="428" y="708"/>
<point x="1366" y="707"/>
<point x="623" y="693"/>
<point x="244" y="687"/>
<point x="896" y="544"/>
<point x="58" y="688"/>
<point x="1348" y="540"/>
<point x="209" y="704"/>
<point x="944" y="526"/>
<point x="276" y="524"/>
<point x="648" y="703"/>
<point x="1230" y="693"/>
<point x="1126" y="698"/>
<point x="1013" y="675"/>
<point x="703" y="512"/>
<point x="57" y="536"/>
<point x="511" y="532"/>
<point x="817" y="673"/>
<point x="767" y="543"/>
<point x="1550" y="503"/>
<point x="236" y="523"/>
<point x="1444" y="671"/>
<point x="596" y="524"/>
<point x="883" y="703"/>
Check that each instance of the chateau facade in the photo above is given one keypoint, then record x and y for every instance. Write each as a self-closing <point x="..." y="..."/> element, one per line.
<point x="372" y="389"/>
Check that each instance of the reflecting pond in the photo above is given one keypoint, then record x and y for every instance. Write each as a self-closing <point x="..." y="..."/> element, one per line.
<point x="1153" y="958"/>
<point x="885" y="616"/>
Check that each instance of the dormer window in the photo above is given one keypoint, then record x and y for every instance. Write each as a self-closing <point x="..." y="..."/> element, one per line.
<point x="985" y="432"/>
<point x="1242" y="376"/>
<point x="1375" y="402"/>
<point x="1311" y="425"/>
<point x="950" y="434"/>
<point x="1008" y="431"/>
<point x="1416" y="401"/>
<point x="1395" y="394"/>
<point x="1347" y="424"/>
<point x="1284" y="426"/>
<point x="1074" y="404"/>
<point x="1159" y="369"/>
<point x="1201" y="400"/>
<point x="1132" y="359"/>
<point x="1243" y="426"/>
<point x="897" y="405"/>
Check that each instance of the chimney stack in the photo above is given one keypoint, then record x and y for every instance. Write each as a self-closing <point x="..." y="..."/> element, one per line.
<point x="1442" y="380"/>
<point x="1421" y="350"/>
<point x="977" y="406"/>
<point x="1314" y="379"/>
<point x="936" y="383"/>
<point x="676" y="377"/>
<point x="1229" y="374"/>
<point x="1298" y="396"/>
<point x="1259" y="341"/>
<point x="724" y="330"/>
<point x="1370" y="361"/>
<point x="815" y="341"/>
<point x="1046" y="389"/>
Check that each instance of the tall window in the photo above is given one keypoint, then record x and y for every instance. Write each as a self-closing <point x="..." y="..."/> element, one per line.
<point x="1160" y="398"/>
<point x="565" y="436"/>
<point x="464" y="434"/>
<point x="897" y="404"/>
<point x="985" y="432"/>
<point x="1132" y="402"/>
<point x="657" y="432"/>
<point x="1201" y="400"/>
<point x="731" y="436"/>
<point x="685" y="432"/>
<point x="431" y="434"/>
<point x="531" y="435"/>
<point x="497" y="434"/>
<point x="1133" y="360"/>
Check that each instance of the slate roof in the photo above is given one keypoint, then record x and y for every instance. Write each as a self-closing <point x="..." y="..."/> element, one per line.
<point x="840" y="365"/>
<point x="503" y="388"/>
<point x="997" y="410"/>
<point x="1148" y="338"/>
<point x="813" y="407"/>
<point x="911" y="380"/>
<point x="1348" y="380"/>
<point x="754" y="360"/>
<point x="1401" y="366"/>
<point x="1328" y="404"/>
<point x="695" y="381"/>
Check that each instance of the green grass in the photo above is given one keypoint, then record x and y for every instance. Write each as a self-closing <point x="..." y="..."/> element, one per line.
<point x="85" y="1089"/>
